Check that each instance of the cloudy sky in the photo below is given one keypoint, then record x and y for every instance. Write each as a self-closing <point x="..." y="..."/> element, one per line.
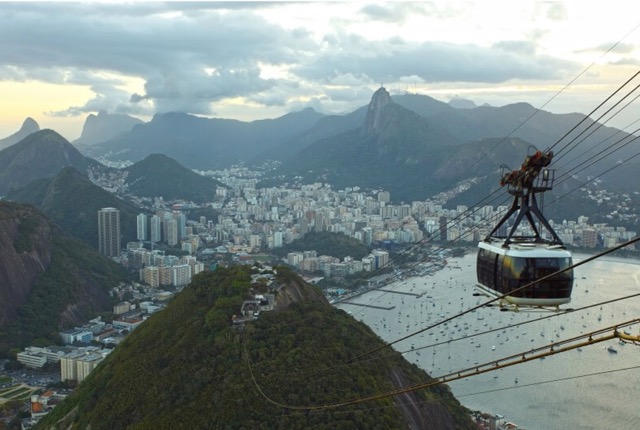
<point x="60" y="61"/>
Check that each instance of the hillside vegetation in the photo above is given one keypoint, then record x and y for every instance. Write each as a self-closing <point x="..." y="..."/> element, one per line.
<point x="337" y="245"/>
<point x="73" y="201"/>
<point x="186" y="367"/>
<point x="49" y="280"/>
<point x="160" y="176"/>
<point x="39" y="155"/>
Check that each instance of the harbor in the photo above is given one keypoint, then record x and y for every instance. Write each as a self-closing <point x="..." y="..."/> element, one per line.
<point x="564" y="389"/>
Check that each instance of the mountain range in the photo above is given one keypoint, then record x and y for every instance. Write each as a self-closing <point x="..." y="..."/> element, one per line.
<point x="407" y="140"/>
<point x="415" y="156"/>
<point x="72" y="200"/>
<point x="411" y="145"/>
<point x="104" y="126"/>
<point x="201" y="143"/>
<point x="41" y="154"/>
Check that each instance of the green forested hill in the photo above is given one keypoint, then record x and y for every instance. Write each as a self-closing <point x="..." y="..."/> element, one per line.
<point x="160" y="176"/>
<point x="39" y="155"/>
<point x="48" y="280"/>
<point x="326" y="243"/>
<point x="73" y="201"/>
<point x="186" y="367"/>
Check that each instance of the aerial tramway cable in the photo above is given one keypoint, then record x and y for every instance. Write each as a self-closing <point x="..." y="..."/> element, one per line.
<point x="604" y="334"/>
<point x="453" y="221"/>
<point x="594" y="110"/>
<point x="442" y="399"/>
<point x="323" y="371"/>
<point x="611" y="48"/>
<point x="587" y="260"/>
<point x="595" y="147"/>
<point x="496" y="298"/>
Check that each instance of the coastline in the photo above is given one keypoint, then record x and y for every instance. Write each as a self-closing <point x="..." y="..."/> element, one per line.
<point x="611" y="258"/>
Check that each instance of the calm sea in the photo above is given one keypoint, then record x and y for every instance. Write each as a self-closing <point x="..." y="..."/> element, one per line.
<point x="549" y="393"/>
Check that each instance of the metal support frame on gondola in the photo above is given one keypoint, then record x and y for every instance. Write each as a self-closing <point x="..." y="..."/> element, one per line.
<point x="532" y="178"/>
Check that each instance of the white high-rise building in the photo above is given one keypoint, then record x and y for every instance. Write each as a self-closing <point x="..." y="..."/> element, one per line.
<point x="277" y="239"/>
<point x="181" y="275"/>
<point x="172" y="232"/>
<point x="181" y="220"/>
<point x="156" y="229"/>
<point x="142" y="226"/>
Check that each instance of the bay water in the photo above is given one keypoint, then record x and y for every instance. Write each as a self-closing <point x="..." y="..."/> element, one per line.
<point x="577" y="389"/>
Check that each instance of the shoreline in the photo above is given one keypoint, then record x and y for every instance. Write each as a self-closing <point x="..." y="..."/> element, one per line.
<point x="612" y="258"/>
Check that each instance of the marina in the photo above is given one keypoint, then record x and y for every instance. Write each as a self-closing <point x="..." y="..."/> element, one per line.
<point x="580" y="388"/>
<point x="386" y="308"/>
<point x="401" y="292"/>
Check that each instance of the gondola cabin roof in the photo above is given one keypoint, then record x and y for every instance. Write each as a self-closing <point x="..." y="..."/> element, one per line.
<point x="526" y="249"/>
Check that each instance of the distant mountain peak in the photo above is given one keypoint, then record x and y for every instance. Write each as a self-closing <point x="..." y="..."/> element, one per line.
<point x="373" y="122"/>
<point x="460" y="103"/>
<point x="105" y="126"/>
<point x="29" y="126"/>
<point x="39" y="155"/>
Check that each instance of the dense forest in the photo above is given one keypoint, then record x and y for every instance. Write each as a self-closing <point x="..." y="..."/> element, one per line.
<point x="187" y="367"/>
<point x="51" y="280"/>
<point x="337" y="245"/>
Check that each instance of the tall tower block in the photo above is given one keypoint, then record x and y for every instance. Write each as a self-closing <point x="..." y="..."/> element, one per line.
<point x="109" y="232"/>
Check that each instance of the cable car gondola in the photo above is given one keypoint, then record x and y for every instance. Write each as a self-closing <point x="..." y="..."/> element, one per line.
<point x="507" y="262"/>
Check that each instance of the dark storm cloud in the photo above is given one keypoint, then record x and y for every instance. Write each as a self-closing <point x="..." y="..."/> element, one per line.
<point x="129" y="46"/>
<point x="74" y="43"/>
<point x="107" y="98"/>
<point x="432" y="62"/>
<point x="191" y="55"/>
<point x="172" y="89"/>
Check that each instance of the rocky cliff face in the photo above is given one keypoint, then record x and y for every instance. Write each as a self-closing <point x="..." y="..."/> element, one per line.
<point x="375" y="122"/>
<point x="25" y="253"/>
<point x="48" y="280"/>
<point x="103" y="127"/>
<point x="292" y="291"/>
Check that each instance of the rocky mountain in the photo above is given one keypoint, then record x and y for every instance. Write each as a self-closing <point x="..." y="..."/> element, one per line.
<point x="48" y="280"/>
<point x="103" y="127"/>
<point x="325" y="127"/>
<point x="73" y="201"/>
<point x="189" y="366"/>
<point x="393" y="149"/>
<point x="39" y="155"/>
<point x="202" y="143"/>
<point x="412" y="147"/>
<point x="460" y="103"/>
<point x="160" y="176"/>
<point x="28" y="126"/>
<point x="418" y="152"/>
